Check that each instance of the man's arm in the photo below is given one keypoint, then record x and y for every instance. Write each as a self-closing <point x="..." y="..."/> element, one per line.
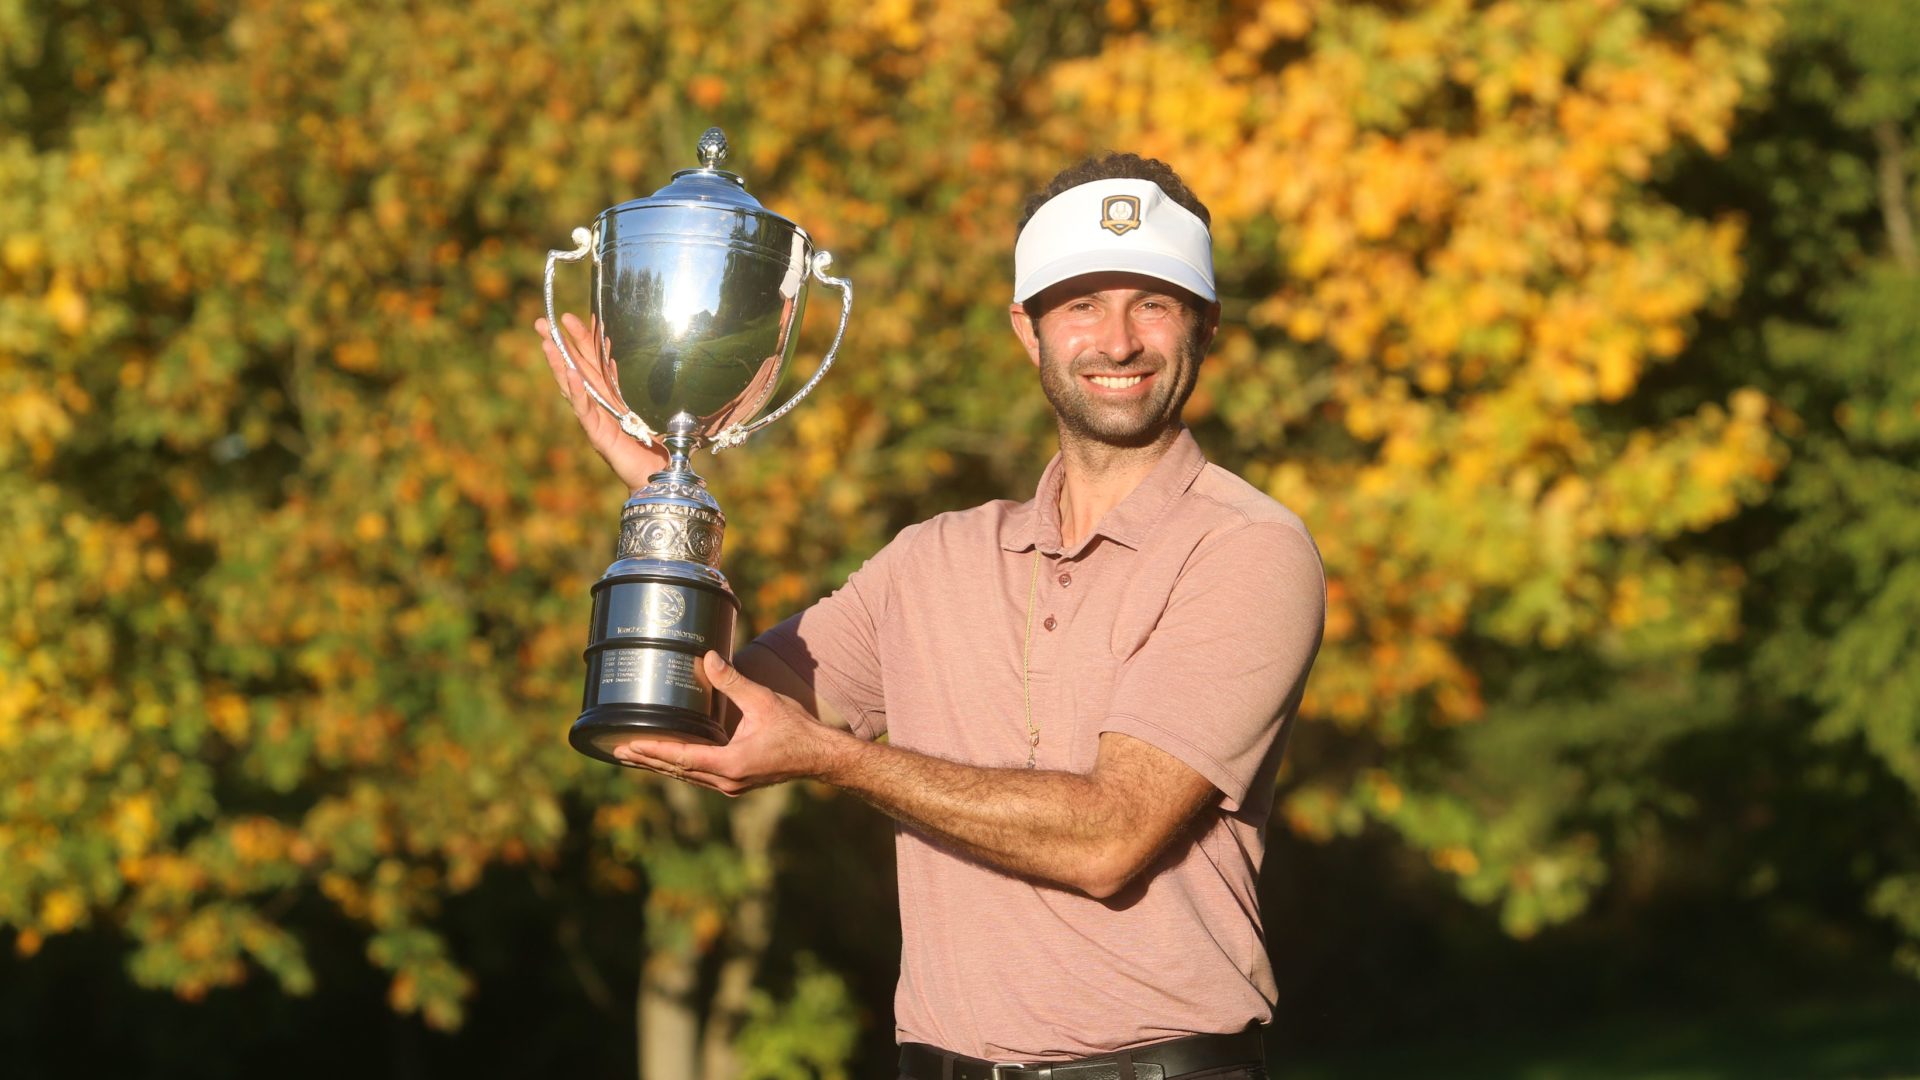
<point x="1092" y="832"/>
<point x="764" y="666"/>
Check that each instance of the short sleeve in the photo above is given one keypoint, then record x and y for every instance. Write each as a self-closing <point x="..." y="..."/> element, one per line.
<point x="1222" y="672"/>
<point x="834" y="645"/>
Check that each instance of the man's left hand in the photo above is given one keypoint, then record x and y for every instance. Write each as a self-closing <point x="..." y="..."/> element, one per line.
<point x="775" y="740"/>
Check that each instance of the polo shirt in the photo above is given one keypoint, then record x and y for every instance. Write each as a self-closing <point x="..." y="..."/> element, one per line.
<point x="1188" y="618"/>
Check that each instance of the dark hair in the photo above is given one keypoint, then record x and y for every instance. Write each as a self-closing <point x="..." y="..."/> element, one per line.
<point x="1113" y="166"/>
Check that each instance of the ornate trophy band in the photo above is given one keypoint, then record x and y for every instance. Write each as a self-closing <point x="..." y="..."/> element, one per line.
<point x="698" y="291"/>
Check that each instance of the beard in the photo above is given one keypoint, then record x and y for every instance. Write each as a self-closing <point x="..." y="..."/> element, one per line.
<point x="1119" y="423"/>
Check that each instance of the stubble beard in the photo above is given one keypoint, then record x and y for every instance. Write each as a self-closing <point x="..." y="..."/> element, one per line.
<point x="1085" y="420"/>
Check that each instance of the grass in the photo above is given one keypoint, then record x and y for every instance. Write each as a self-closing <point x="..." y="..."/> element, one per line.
<point x="1829" y="1040"/>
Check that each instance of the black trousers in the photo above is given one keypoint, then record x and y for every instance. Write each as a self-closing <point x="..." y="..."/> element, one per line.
<point x="1235" y="1073"/>
<point x="1192" y="1057"/>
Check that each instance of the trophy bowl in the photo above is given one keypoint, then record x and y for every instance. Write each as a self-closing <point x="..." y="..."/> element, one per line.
<point x="697" y="294"/>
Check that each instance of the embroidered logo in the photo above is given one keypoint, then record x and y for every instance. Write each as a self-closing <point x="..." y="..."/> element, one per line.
<point x="1120" y="214"/>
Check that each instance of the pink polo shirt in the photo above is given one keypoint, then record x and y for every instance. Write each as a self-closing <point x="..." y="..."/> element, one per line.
<point x="1188" y="618"/>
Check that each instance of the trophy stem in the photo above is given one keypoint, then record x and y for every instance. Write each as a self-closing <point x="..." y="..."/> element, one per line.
<point x="681" y="442"/>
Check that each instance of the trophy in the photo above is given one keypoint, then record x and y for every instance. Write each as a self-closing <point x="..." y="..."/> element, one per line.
<point x="698" y="291"/>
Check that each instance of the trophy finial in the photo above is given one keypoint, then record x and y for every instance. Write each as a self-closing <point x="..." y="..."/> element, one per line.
<point x="713" y="148"/>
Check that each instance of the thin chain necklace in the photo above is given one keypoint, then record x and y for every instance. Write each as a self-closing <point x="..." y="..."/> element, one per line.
<point x="1026" y="657"/>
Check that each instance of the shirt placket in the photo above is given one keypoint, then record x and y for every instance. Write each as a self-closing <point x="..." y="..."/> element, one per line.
<point x="1057" y="606"/>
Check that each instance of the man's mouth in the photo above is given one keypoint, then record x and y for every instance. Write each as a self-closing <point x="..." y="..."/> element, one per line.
<point x="1115" y="382"/>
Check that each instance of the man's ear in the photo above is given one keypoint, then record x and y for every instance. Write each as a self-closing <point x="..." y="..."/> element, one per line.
<point x="1210" y="325"/>
<point x="1023" y="329"/>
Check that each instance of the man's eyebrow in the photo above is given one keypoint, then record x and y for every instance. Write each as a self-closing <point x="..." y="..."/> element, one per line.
<point x="1155" y="294"/>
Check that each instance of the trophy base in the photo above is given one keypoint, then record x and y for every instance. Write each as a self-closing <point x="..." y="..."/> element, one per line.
<point x="645" y="677"/>
<point x="602" y="728"/>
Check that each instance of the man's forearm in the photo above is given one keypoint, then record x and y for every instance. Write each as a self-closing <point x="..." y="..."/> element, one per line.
<point x="1059" y="827"/>
<point x="1090" y="832"/>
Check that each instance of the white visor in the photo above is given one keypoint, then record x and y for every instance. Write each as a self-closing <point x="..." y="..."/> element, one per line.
<point x="1127" y="225"/>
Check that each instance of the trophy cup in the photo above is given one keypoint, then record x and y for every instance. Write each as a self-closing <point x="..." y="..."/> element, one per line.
<point x="697" y="293"/>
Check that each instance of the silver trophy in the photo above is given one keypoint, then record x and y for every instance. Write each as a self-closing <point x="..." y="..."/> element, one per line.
<point x="698" y="292"/>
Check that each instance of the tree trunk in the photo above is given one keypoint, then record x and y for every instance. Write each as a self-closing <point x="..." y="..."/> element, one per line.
<point x="669" y="1024"/>
<point x="756" y="821"/>
<point x="1896" y="195"/>
<point x="666" y="1016"/>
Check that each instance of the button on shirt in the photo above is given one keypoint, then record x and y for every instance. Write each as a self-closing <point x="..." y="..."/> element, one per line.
<point x="1187" y="618"/>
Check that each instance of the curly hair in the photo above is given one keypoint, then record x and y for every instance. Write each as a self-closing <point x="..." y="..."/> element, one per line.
<point x="1114" y="166"/>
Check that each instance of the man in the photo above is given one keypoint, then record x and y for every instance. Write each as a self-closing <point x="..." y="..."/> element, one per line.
<point x="1084" y="696"/>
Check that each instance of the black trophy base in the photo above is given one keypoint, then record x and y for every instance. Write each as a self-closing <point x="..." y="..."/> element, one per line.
<point x="602" y="728"/>
<point x="645" y="676"/>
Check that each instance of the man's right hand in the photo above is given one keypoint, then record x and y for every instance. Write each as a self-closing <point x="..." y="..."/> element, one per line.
<point x="632" y="460"/>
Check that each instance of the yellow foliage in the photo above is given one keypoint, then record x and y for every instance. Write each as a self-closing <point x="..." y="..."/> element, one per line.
<point x="229" y="715"/>
<point x="1459" y="861"/>
<point x="259" y="840"/>
<point x="1387" y="795"/>
<point x="66" y="304"/>
<point x="300" y="329"/>
<point x="61" y="910"/>
<point x="22" y="251"/>
<point x="134" y="824"/>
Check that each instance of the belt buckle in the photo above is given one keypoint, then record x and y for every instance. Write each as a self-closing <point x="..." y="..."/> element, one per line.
<point x="996" y="1074"/>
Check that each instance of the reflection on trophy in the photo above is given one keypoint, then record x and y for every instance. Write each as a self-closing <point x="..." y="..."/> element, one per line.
<point x="698" y="291"/>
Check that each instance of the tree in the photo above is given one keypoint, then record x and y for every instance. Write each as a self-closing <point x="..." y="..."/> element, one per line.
<point x="302" y="537"/>
<point x="1838" y="594"/>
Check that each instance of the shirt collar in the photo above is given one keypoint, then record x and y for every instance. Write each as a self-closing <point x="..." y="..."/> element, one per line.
<point x="1038" y="522"/>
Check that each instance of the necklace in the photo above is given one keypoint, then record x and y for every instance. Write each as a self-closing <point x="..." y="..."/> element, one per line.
<point x="1026" y="657"/>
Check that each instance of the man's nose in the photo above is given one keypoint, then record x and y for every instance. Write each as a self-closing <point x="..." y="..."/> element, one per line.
<point x="1117" y="336"/>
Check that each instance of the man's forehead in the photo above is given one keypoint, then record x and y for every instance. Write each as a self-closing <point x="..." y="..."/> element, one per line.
<point x="1122" y="284"/>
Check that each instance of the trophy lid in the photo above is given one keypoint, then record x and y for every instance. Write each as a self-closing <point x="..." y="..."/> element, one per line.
<point x="708" y="185"/>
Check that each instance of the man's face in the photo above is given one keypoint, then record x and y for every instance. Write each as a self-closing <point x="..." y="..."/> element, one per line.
<point x="1118" y="353"/>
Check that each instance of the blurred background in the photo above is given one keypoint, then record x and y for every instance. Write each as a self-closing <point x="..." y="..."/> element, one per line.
<point x="1585" y="335"/>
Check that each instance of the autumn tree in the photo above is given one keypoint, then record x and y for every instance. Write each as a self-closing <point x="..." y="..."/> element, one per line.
<point x="1456" y="268"/>
<point x="301" y="534"/>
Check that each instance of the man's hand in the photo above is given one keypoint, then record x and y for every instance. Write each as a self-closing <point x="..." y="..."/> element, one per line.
<point x="775" y="740"/>
<point x="632" y="460"/>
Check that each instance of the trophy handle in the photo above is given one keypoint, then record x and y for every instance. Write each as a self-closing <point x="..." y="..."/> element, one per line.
<point x="630" y="422"/>
<point x="735" y="435"/>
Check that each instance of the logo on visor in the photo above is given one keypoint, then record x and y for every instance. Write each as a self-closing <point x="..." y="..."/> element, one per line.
<point x="1120" y="214"/>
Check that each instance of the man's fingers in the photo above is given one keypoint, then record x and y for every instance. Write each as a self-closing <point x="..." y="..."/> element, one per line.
<point x="739" y="689"/>
<point x="588" y="353"/>
<point x="579" y="346"/>
<point x="573" y="385"/>
<point x="555" y="365"/>
<point x="667" y="754"/>
<point x="570" y="325"/>
<point x="569" y="379"/>
<point x="586" y="346"/>
<point x="688" y="762"/>
<point x="644" y="759"/>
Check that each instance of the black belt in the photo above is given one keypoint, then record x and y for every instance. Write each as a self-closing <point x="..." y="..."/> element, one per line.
<point x="1160" y="1061"/>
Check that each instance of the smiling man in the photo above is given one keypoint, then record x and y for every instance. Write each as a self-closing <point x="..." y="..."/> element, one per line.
<point x="1085" y="695"/>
